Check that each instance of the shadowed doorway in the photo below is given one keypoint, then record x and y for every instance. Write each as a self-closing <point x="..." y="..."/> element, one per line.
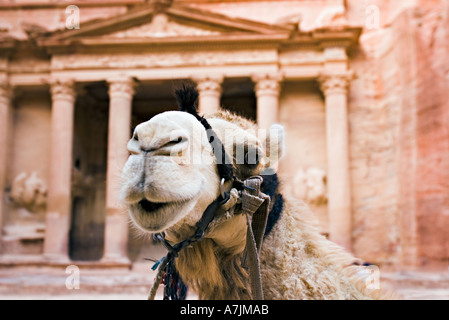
<point x="86" y="236"/>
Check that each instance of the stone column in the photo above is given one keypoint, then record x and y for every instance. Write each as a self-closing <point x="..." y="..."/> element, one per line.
<point x="59" y="184"/>
<point x="335" y="89"/>
<point x="121" y="93"/>
<point x="5" y="117"/>
<point x="267" y="90"/>
<point x="209" y="89"/>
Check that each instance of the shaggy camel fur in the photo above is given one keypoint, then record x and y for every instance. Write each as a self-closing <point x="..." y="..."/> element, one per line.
<point x="163" y="191"/>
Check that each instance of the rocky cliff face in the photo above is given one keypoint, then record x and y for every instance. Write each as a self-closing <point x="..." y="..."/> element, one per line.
<point x="399" y="122"/>
<point x="432" y="133"/>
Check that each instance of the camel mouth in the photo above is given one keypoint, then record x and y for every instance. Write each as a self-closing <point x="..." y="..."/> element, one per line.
<point x="153" y="217"/>
<point x="149" y="207"/>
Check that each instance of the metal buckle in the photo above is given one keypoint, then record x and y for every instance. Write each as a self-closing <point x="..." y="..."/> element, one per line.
<point x="222" y="190"/>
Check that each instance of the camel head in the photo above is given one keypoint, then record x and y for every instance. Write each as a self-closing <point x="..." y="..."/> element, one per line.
<point x="171" y="175"/>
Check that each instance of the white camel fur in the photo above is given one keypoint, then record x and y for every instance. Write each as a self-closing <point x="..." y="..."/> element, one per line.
<point x="296" y="261"/>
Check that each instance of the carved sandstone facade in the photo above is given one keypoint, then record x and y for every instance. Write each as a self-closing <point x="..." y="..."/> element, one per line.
<point x="350" y="94"/>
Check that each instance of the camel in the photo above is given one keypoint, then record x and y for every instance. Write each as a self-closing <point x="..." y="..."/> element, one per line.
<point x="165" y="191"/>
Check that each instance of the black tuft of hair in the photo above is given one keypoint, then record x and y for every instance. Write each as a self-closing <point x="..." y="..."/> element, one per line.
<point x="270" y="186"/>
<point x="275" y="213"/>
<point x="187" y="98"/>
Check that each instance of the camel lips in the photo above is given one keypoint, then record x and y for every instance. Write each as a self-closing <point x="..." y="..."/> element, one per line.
<point x="150" y="206"/>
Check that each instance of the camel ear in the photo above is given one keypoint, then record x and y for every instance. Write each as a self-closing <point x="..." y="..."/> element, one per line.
<point x="274" y="145"/>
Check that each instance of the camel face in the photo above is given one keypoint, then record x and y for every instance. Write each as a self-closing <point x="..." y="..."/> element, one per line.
<point x="161" y="183"/>
<point x="171" y="175"/>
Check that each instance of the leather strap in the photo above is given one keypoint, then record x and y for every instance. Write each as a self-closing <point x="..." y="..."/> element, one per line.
<point x="255" y="205"/>
<point x="253" y="263"/>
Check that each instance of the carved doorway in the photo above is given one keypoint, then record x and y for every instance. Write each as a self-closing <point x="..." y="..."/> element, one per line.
<point x="238" y="96"/>
<point x="86" y="236"/>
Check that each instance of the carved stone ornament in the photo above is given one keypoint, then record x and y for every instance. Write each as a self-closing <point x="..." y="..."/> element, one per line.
<point x="209" y="85"/>
<point x="162" y="60"/>
<point x="335" y="83"/>
<point x="301" y="57"/>
<point x="123" y="88"/>
<point x="310" y="186"/>
<point x="63" y="90"/>
<point x="161" y="27"/>
<point x="335" y="54"/>
<point x="267" y="85"/>
<point x="29" y="192"/>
